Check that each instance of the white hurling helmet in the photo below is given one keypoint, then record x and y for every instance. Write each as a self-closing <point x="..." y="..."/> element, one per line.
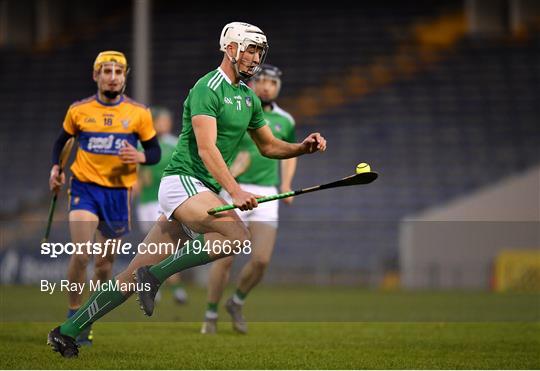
<point x="243" y="34"/>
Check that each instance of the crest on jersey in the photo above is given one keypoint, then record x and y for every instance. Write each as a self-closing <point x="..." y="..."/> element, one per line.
<point x="277" y="127"/>
<point x="248" y="101"/>
<point x="125" y="123"/>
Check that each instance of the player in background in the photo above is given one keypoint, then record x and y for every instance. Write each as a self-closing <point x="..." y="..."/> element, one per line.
<point x="217" y="112"/>
<point x="107" y="126"/>
<point x="148" y="210"/>
<point x="259" y="175"/>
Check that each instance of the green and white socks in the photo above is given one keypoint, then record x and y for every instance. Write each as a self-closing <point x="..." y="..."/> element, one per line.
<point x="185" y="258"/>
<point x="100" y="303"/>
<point x="239" y="297"/>
<point x="109" y="295"/>
<point x="211" y="311"/>
<point x="212" y="308"/>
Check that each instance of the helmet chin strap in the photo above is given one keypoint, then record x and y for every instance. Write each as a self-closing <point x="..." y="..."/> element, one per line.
<point x="234" y="62"/>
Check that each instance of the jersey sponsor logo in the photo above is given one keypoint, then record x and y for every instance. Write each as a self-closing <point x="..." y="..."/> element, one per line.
<point x="90" y="120"/>
<point x="248" y="101"/>
<point x="105" y="143"/>
<point x="228" y="100"/>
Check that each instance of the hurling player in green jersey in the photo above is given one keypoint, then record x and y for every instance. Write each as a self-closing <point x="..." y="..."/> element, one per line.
<point x="217" y="112"/>
<point x="259" y="175"/>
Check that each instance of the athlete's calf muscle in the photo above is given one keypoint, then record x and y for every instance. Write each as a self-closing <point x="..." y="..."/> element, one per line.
<point x="163" y="231"/>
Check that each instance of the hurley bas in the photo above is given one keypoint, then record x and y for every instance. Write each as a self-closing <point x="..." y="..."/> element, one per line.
<point x="66" y="285"/>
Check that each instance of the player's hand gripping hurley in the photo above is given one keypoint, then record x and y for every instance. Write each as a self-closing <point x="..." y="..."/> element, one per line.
<point x="362" y="178"/>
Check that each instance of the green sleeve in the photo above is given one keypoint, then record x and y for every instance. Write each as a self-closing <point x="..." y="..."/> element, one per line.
<point x="291" y="133"/>
<point x="257" y="118"/>
<point x="203" y="101"/>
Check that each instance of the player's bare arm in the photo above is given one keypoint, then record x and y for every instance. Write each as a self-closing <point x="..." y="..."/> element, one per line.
<point x="205" y="128"/>
<point x="272" y="147"/>
<point x="240" y="164"/>
<point x="288" y="168"/>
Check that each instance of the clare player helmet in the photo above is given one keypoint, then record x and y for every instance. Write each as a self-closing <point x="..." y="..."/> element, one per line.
<point x="110" y="56"/>
<point x="243" y="34"/>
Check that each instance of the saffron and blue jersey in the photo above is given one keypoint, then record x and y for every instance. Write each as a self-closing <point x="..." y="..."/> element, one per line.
<point x="101" y="129"/>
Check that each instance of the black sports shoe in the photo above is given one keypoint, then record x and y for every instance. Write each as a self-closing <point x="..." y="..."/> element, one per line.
<point x="146" y="298"/>
<point x="63" y="344"/>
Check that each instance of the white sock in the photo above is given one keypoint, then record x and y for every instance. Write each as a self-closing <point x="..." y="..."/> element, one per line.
<point x="237" y="300"/>
<point x="211" y="315"/>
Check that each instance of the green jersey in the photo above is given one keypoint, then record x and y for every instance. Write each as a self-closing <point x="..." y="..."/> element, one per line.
<point x="152" y="174"/>
<point x="236" y="109"/>
<point x="263" y="170"/>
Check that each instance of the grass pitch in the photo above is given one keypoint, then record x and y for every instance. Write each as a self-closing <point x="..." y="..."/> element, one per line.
<point x="290" y="328"/>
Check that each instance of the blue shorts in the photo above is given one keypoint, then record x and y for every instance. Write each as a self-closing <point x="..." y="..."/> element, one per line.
<point x="111" y="205"/>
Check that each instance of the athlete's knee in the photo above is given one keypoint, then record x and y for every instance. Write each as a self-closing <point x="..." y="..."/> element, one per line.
<point x="260" y="263"/>
<point x="103" y="268"/>
<point x="241" y="235"/>
<point x="225" y="264"/>
<point x="80" y="261"/>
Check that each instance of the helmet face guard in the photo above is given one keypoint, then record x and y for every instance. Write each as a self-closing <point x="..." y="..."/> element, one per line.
<point x="254" y="69"/>
<point x="244" y="35"/>
<point x="114" y="58"/>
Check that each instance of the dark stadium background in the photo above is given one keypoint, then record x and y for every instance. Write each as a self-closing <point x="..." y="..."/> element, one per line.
<point x="441" y="98"/>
